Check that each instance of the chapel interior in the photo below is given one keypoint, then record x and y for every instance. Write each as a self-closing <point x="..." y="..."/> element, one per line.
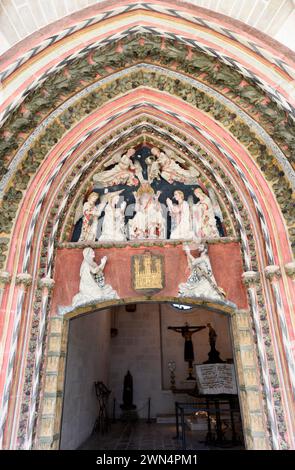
<point x="105" y="345"/>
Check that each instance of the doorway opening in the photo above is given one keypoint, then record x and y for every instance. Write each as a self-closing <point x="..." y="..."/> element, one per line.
<point x="109" y="346"/>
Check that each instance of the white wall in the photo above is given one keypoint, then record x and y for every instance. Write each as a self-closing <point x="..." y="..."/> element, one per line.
<point x="144" y="346"/>
<point x="87" y="362"/>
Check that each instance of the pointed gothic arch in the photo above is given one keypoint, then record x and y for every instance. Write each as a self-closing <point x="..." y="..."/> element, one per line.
<point x="262" y="180"/>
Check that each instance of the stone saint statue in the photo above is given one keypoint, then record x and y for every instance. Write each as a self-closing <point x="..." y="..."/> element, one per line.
<point x="148" y="221"/>
<point x="180" y="215"/>
<point x="91" y="213"/>
<point x="213" y="355"/>
<point x="92" y="282"/>
<point x="201" y="281"/>
<point x="203" y="217"/>
<point x="113" y="226"/>
<point x="187" y="332"/>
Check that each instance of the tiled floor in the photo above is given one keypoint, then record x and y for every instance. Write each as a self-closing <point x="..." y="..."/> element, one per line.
<point x="143" y="436"/>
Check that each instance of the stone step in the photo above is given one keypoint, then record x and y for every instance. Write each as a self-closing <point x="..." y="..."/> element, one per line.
<point x="165" y="419"/>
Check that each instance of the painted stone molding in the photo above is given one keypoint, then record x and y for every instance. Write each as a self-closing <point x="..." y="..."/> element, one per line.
<point x="273" y="273"/>
<point x="290" y="269"/>
<point x="251" y="278"/>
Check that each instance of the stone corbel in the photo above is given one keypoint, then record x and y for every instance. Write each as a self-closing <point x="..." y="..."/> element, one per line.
<point x="5" y="278"/>
<point x="46" y="283"/>
<point x="24" y="280"/>
<point x="272" y="273"/>
<point x="251" y="278"/>
<point x="290" y="269"/>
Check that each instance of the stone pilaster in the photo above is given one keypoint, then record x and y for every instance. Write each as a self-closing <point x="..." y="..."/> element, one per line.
<point x="249" y="380"/>
<point x="48" y="434"/>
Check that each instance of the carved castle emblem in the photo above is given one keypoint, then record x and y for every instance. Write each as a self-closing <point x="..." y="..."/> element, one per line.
<point x="148" y="272"/>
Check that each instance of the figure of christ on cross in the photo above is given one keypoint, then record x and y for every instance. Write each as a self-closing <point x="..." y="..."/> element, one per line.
<point x="187" y="332"/>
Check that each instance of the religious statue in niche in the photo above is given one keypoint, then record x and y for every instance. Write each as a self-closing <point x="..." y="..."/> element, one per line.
<point x="187" y="332"/>
<point x="125" y="171"/>
<point x="166" y="164"/>
<point x="148" y="221"/>
<point x="213" y="355"/>
<point x="91" y="213"/>
<point x="92" y="281"/>
<point x="180" y="214"/>
<point x="203" y="216"/>
<point x="113" y="226"/>
<point x="201" y="281"/>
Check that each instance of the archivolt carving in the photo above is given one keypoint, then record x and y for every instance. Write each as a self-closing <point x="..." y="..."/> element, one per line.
<point x="49" y="138"/>
<point x="200" y="65"/>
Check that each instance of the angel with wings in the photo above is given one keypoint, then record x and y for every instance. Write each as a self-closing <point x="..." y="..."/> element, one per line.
<point x="124" y="171"/>
<point x="167" y="164"/>
<point x="203" y="215"/>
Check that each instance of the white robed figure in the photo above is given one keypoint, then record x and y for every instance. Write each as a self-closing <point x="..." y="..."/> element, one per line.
<point x="181" y="220"/>
<point x="201" y="281"/>
<point x="91" y="213"/>
<point x="148" y="221"/>
<point x="113" y="226"/>
<point x="92" y="282"/>
<point x="203" y="217"/>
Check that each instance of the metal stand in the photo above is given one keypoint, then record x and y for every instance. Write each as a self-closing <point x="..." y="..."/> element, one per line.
<point x="216" y="437"/>
<point x="102" y="422"/>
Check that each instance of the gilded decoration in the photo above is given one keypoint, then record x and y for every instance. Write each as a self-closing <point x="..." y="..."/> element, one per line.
<point x="148" y="272"/>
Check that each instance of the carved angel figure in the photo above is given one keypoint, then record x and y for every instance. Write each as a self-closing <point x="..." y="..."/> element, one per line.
<point x="201" y="281"/>
<point x="203" y="216"/>
<point x="91" y="213"/>
<point x="170" y="169"/>
<point x="92" y="282"/>
<point x="124" y="171"/>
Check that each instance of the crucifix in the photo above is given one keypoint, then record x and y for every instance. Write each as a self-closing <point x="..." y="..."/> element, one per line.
<point x="187" y="331"/>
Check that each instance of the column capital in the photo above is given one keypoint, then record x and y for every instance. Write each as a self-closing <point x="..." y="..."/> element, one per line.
<point x="273" y="272"/>
<point x="24" y="280"/>
<point x="290" y="269"/>
<point x="251" y="278"/>
<point x="5" y="278"/>
<point x="46" y="282"/>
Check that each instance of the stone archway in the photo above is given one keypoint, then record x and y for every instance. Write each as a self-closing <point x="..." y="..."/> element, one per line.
<point x="251" y="398"/>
